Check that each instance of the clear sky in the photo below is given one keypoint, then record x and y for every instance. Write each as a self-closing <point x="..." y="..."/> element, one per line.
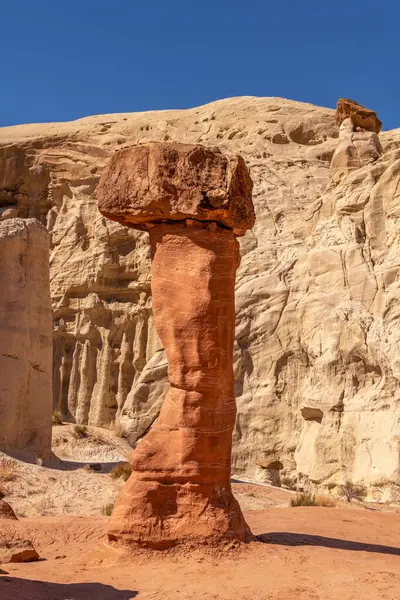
<point x="65" y="59"/>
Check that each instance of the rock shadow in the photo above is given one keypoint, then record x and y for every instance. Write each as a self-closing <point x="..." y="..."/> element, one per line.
<point x="285" y="538"/>
<point x="29" y="589"/>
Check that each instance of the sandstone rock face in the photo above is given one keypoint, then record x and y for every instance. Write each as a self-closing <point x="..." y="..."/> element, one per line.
<point x="25" y="338"/>
<point x="180" y="488"/>
<point x="317" y="349"/>
<point x="354" y="150"/>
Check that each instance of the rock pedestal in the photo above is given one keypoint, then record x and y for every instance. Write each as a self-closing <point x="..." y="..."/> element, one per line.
<point x="180" y="489"/>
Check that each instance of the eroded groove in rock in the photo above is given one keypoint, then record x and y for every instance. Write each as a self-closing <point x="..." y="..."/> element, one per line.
<point x="180" y="489"/>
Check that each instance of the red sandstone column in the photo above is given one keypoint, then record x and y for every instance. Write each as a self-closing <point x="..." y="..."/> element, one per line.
<point x="180" y="489"/>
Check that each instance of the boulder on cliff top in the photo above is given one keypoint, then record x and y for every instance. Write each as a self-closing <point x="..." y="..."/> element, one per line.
<point x="359" y="115"/>
<point x="163" y="180"/>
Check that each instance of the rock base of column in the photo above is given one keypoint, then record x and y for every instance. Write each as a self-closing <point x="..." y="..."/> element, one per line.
<point x="160" y="516"/>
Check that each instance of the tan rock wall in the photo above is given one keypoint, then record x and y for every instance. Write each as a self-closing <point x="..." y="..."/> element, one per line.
<point x="317" y="294"/>
<point x="25" y="338"/>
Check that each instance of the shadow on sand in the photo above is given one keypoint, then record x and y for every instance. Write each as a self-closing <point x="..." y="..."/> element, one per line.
<point x="285" y="538"/>
<point x="27" y="589"/>
<point x="62" y="465"/>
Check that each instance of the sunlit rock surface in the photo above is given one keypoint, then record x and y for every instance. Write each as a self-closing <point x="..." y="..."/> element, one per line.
<point x="317" y="350"/>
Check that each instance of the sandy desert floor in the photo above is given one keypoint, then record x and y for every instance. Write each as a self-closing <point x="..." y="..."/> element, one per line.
<point x="310" y="553"/>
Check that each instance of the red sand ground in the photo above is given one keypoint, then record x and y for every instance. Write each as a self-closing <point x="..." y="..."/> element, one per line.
<point x="338" y="554"/>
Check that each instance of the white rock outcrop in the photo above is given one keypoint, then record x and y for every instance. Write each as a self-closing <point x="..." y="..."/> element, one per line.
<point x="25" y="338"/>
<point x="317" y="354"/>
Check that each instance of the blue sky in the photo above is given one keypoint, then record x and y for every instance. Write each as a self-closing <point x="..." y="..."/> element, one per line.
<point x="65" y="59"/>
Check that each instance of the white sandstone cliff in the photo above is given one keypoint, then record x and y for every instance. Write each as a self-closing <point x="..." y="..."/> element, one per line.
<point x="318" y="343"/>
<point x="25" y="338"/>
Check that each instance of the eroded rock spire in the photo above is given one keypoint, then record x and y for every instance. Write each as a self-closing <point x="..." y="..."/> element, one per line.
<point x="194" y="201"/>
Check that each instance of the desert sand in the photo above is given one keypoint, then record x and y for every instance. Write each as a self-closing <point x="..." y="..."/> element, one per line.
<point x="310" y="553"/>
<point x="346" y="552"/>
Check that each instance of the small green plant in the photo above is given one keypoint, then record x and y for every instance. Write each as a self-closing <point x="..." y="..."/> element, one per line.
<point x="107" y="509"/>
<point x="353" y="491"/>
<point x="80" y="431"/>
<point x="310" y="499"/>
<point x="56" y="418"/>
<point x="122" y="470"/>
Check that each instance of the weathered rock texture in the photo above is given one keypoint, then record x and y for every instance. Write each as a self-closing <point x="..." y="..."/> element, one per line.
<point x="359" y="143"/>
<point x="170" y="181"/>
<point x="25" y="338"/>
<point x="180" y="488"/>
<point x="317" y="350"/>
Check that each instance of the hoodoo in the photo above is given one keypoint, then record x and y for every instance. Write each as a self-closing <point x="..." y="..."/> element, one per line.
<point x="194" y="202"/>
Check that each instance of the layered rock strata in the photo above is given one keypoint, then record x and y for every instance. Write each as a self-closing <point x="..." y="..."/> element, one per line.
<point x="193" y="200"/>
<point x="317" y="348"/>
<point x="25" y="338"/>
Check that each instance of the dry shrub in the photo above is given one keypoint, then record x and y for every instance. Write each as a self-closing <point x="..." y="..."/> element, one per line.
<point x="56" y="418"/>
<point x="80" y="431"/>
<point x="8" y="470"/>
<point x="116" y="428"/>
<point x="310" y="499"/>
<point x="325" y="501"/>
<point x="353" y="491"/>
<point x="289" y="483"/>
<point x="122" y="470"/>
<point x="45" y="504"/>
<point x="107" y="509"/>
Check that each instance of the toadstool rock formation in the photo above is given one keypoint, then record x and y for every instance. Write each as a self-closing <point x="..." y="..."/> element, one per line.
<point x="194" y="201"/>
<point x="25" y="338"/>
